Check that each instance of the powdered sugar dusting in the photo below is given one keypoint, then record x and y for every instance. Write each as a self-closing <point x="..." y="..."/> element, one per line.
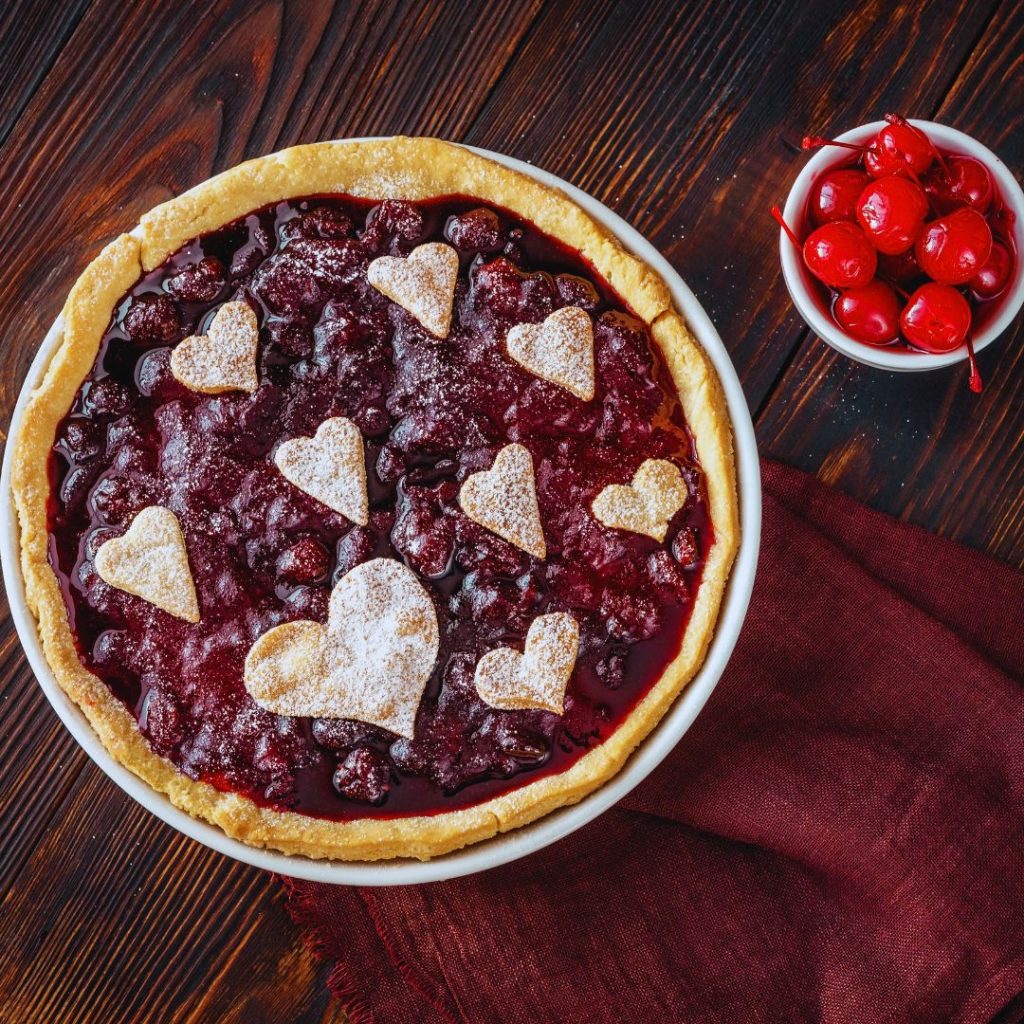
<point x="656" y="494"/>
<point x="224" y="359"/>
<point x="150" y="561"/>
<point x="330" y="467"/>
<point x="538" y="677"/>
<point x="423" y="283"/>
<point x="371" y="662"/>
<point x="561" y="350"/>
<point x="504" y="500"/>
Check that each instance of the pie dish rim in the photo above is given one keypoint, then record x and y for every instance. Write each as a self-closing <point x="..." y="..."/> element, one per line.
<point x="434" y="834"/>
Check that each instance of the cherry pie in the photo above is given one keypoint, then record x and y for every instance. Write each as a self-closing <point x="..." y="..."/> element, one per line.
<point x="375" y="501"/>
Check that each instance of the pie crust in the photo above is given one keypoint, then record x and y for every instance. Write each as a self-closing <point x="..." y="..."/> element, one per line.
<point x="400" y="168"/>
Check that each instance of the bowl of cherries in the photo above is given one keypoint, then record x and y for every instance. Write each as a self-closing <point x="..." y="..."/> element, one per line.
<point x="901" y="245"/>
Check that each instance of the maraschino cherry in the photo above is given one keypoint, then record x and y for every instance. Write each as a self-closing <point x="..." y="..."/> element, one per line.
<point x="952" y="249"/>
<point x="960" y="181"/>
<point x="836" y="193"/>
<point x="892" y="211"/>
<point x="899" y="148"/>
<point x="936" y="318"/>
<point x="837" y="254"/>
<point x="870" y="313"/>
<point x="840" y="255"/>
<point x="994" y="275"/>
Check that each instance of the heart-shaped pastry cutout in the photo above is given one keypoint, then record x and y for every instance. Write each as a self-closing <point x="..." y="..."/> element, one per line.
<point x="150" y="561"/>
<point x="225" y="358"/>
<point x="504" y="500"/>
<point x="561" y="350"/>
<point x="423" y="283"/>
<point x="656" y="494"/>
<point x="330" y="467"/>
<point x="537" y="678"/>
<point x="371" y="662"/>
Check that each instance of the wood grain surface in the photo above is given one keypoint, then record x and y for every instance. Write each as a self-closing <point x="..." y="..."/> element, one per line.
<point x="683" y="117"/>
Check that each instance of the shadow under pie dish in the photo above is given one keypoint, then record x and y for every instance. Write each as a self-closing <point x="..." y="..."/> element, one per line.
<point x="349" y="452"/>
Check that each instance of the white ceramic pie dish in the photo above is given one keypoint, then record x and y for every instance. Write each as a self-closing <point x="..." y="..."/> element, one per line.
<point x="803" y="288"/>
<point x="519" y="842"/>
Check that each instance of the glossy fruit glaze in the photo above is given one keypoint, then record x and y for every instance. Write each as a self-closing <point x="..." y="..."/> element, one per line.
<point x="431" y="412"/>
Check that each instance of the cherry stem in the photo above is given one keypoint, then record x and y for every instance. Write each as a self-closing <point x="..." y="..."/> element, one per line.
<point x="817" y="141"/>
<point x="915" y="178"/>
<point x="777" y="214"/>
<point x="974" y="381"/>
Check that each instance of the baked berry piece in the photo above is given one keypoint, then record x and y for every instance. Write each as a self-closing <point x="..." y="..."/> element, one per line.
<point x="377" y="511"/>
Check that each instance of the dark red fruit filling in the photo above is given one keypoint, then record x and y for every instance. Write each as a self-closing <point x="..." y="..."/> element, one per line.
<point x="262" y="552"/>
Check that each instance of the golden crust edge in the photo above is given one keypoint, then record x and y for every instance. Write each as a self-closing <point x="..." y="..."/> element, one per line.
<point x="400" y="168"/>
<point x="440" y="169"/>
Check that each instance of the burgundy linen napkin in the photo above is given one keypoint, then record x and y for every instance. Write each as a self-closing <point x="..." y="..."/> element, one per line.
<point x="838" y="838"/>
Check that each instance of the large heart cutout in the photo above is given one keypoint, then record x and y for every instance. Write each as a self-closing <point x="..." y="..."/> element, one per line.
<point x="225" y="358"/>
<point x="561" y="350"/>
<point x="423" y="283"/>
<point x="150" y="561"/>
<point x="656" y="494"/>
<point x="330" y="467"/>
<point x="504" y="500"/>
<point x="538" y="677"/>
<point x="371" y="662"/>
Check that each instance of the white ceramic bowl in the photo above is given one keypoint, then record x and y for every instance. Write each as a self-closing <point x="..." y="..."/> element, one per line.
<point x="519" y="842"/>
<point x="804" y="289"/>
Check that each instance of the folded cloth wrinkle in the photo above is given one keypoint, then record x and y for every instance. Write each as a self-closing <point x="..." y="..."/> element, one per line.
<point x="838" y="838"/>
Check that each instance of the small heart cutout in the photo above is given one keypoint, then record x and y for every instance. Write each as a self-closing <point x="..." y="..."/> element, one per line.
<point x="656" y="494"/>
<point x="538" y="677"/>
<point x="371" y="662"/>
<point x="330" y="467"/>
<point x="561" y="350"/>
<point x="504" y="500"/>
<point x="224" y="359"/>
<point x="150" y="561"/>
<point x="423" y="283"/>
<point x="284" y="662"/>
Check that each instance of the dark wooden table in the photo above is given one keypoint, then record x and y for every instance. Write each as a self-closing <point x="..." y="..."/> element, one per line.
<point x="683" y="117"/>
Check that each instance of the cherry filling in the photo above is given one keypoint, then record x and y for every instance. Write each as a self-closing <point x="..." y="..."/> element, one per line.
<point x="262" y="552"/>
